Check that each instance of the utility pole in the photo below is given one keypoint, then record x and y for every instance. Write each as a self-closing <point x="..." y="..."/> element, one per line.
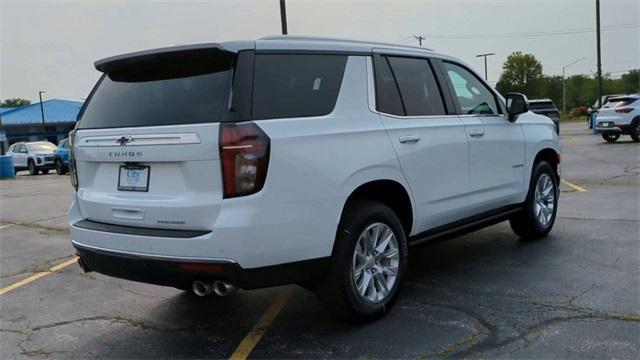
<point x="283" y="17"/>
<point x="485" y="63"/>
<point x="419" y="38"/>
<point x="599" y="60"/>
<point x="44" y="130"/>
<point x="564" y="87"/>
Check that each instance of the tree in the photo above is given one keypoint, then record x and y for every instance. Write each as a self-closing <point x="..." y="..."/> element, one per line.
<point x="521" y="73"/>
<point x="14" y="102"/>
<point x="631" y="81"/>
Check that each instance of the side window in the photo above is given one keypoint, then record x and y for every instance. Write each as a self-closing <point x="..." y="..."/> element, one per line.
<point x="418" y="86"/>
<point x="387" y="95"/>
<point x="296" y="85"/>
<point x="473" y="96"/>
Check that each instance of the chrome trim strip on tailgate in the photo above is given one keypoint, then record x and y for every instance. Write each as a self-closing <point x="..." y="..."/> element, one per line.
<point x="138" y="140"/>
<point x="151" y="256"/>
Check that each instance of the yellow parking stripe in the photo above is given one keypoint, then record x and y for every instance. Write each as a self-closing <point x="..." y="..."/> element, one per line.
<point x="573" y="186"/>
<point x="260" y="328"/>
<point x="37" y="276"/>
<point x="5" y="226"/>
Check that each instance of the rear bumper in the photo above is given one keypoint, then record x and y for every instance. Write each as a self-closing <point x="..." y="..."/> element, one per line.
<point x="615" y="129"/>
<point x="182" y="272"/>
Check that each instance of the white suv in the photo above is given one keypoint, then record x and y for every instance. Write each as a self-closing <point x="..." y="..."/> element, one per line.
<point x="298" y="160"/>
<point x="620" y="116"/>
<point x="34" y="156"/>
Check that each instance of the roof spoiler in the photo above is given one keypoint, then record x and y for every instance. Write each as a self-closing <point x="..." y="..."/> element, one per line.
<point x="114" y="63"/>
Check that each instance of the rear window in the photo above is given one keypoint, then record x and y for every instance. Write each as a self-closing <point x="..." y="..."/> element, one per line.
<point x="618" y="102"/>
<point x="296" y="85"/>
<point x="161" y="91"/>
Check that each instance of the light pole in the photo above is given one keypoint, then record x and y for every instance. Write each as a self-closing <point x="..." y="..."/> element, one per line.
<point x="564" y="87"/>
<point x="283" y="17"/>
<point x="44" y="130"/>
<point x="485" y="63"/>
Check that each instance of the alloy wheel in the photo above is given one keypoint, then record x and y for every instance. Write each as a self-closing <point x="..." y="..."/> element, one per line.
<point x="376" y="260"/>
<point x="545" y="196"/>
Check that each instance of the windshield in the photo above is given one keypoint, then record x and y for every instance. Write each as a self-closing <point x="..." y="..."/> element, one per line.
<point x="41" y="147"/>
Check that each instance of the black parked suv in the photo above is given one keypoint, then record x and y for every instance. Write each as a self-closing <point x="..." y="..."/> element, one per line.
<point x="547" y="108"/>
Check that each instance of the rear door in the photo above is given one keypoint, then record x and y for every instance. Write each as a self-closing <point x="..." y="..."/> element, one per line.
<point x="430" y="142"/>
<point x="146" y="144"/>
<point x="496" y="145"/>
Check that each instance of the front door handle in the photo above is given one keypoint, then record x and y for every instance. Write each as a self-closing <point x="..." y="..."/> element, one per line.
<point x="409" y="139"/>
<point x="476" y="133"/>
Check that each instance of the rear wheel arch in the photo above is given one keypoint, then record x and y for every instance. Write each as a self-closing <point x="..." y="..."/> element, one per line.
<point x="389" y="192"/>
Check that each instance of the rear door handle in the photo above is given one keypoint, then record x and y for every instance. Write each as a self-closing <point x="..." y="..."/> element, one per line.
<point x="476" y="133"/>
<point x="409" y="139"/>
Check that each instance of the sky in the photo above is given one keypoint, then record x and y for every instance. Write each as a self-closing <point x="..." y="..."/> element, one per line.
<point x="51" y="45"/>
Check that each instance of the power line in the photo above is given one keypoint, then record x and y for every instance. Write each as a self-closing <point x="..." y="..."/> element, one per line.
<point x="533" y="34"/>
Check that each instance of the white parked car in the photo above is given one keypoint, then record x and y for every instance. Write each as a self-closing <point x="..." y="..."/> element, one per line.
<point x="619" y="116"/>
<point x="298" y="160"/>
<point x="34" y="156"/>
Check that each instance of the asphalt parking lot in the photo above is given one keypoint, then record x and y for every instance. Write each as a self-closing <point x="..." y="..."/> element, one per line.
<point x="574" y="294"/>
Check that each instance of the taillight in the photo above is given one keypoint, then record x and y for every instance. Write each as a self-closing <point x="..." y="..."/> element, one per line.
<point x="244" y="154"/>
<point x="624" y="110"/>
<point x="73" y="174"/>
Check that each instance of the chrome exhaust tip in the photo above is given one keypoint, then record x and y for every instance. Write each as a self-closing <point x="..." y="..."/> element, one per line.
<point x="201" y="288"/>
<point x="222" y="288"/>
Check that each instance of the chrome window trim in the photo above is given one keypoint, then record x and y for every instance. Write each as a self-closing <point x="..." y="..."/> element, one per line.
<point x="371" y="96"/>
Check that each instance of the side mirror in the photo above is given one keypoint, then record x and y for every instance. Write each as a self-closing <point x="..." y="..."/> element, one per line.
<point x="516" y="104"/>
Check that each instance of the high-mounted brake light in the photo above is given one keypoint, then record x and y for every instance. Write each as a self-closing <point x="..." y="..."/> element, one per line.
<point x="244" y="155"/>
<point x="624" y="110"/>
<point x="73" y="174"/>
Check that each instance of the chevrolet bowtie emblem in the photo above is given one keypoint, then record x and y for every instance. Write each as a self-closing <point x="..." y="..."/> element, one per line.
<point x="124" y="140"/>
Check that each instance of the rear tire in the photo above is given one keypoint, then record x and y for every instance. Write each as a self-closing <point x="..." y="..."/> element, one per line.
<point x="611" y="138"/>
<point x="368" y="263"/>
<point x="32" y="168"/>
<point x="635" y="131"/>
<point x="537" y="217"/>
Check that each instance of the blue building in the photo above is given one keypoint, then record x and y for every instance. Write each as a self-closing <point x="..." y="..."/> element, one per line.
<point x="24" y="123"/>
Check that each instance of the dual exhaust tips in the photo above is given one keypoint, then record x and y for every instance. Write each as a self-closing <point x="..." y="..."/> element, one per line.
<point x="220" y="288"/>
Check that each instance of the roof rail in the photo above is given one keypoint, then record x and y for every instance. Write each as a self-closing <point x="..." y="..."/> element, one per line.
<point x="332" y="39"/>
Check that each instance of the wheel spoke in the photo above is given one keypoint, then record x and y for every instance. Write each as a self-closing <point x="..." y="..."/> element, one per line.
<point x="382" y="283"/>
<point x="374" y="237"/>
<point x="391" y="253"/>
<point x="390" y="270"/>
<point x="385" y="242"/>
<point x="364" y="285"/>
<point x="358" y="270"/>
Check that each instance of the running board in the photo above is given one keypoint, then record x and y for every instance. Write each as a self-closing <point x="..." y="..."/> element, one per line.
<point x="465" y="226"/>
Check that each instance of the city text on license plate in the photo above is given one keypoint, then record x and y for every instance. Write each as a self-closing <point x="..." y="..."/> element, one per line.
<point x="133" y="178"/>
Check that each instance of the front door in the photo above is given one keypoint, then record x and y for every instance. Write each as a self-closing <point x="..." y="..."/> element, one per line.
<point x="496" y="145"/>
